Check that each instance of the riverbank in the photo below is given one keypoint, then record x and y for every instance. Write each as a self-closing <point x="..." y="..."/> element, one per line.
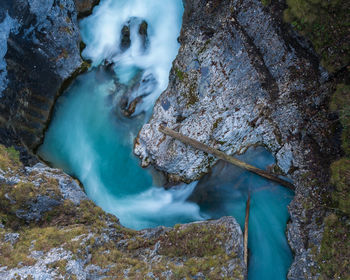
<point x="310" y="205"/>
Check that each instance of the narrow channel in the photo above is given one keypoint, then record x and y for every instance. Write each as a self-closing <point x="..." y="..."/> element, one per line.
<point x="89" y="137"/>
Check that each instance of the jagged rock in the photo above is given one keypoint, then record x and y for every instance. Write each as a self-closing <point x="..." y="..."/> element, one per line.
<point x="11" y="237"/>
<point x="242" y="78"/>
<point x="41" y="205"/>
<point x="143" y="32"/>
<point x="84" y="7"/>
<point x="140" y="86"/>
<point x="130" y="26"/>
<point x="132" y="106"/>
<point x="39" y="50"/>
<point x="256" y="87"/>
<point x="125" y="40"/>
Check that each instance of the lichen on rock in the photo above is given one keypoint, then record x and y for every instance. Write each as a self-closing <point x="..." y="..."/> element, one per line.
<point x="50" y="229"/>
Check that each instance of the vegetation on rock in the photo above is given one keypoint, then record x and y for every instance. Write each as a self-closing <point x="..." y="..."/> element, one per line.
<point x="65" y="232"/>
<point x="334" y="254"/>
<point x="325" y="23"/>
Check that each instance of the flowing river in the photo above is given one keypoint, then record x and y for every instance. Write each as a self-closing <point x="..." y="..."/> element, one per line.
<point x="91" y="139"/>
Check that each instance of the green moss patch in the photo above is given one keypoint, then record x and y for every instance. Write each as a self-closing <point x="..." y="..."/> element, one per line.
<point x="326" y="24"/>
<point x="341" y="180"/>
<point x="9" y="158"/>
<point x="194" y="241"/>
<point x="180" y="74"/>
<point x="334" y="257"/>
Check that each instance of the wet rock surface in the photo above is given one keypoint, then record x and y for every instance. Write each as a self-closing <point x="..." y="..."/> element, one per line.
<point x="84" y="7"/>
<point x="242" y="78"/>
<point x="138" y="26"/>
<point x="132" y="94"/>
<point x="39" y="50"/>
<point x="125" y="40"/>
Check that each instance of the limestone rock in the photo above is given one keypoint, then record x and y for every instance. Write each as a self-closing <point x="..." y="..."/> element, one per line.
<point x="243" y="78"/>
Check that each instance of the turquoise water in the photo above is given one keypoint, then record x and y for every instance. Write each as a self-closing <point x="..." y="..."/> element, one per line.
<point x="90" y="139"/>
<point x="225" y="192"/>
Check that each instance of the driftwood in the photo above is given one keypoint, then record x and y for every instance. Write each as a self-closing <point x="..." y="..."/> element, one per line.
<point x="221" y="155"/>
<point x="246" y="228"/>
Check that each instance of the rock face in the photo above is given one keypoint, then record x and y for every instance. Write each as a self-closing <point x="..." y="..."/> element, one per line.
<point x="237" y="81"/>
<point x="84" y="7"/>
<point x="49" y="229"/>
<point x="39" y="50"/>
<point x="242" y="78"/>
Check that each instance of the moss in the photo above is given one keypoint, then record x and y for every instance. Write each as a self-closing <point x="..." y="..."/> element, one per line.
<point x="66" y="29"/>
<point x="194" y="240"/>
<point x="22" y="193"/>
<point x="11" y="256"/>
<point x="210" y="266"/>
<point x="21" y="196"/>
<point x="192" y="97"/>
<point x="341" y="180"/>
<point x="265" y="2"/>
<point x="334" y="257"/>
<point x="139" y="242"/>
<point x="86" y="213"/>
<point x="9" y="158"/>
<point x="106" y="255"/>
<point x="51" y="237"/>
<point x="190" y="94"/>
<point x="60" y="266"/>
<point x="13" y="198"/>
<point x="180" y="74"/>
<point x="325" y="23"/>
<point x="36" y="238"/>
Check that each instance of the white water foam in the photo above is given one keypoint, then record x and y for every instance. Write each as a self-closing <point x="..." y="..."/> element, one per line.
<point x="153" y="207"/>
<point x="102" y="34"/>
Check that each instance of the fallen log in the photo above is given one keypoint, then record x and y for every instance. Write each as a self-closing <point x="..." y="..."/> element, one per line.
<point x="221" y="155"/>
<point x="246" y="228"/>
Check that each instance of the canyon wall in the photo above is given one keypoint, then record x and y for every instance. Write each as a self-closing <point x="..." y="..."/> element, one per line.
<point x="243" y="78"/>
<point x="39" y="54"/>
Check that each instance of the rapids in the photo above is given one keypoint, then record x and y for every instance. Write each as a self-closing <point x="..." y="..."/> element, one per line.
<point x="90" y="138"/>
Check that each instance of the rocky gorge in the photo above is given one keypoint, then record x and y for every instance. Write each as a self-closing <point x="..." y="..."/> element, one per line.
<point x="242" y="78"/>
